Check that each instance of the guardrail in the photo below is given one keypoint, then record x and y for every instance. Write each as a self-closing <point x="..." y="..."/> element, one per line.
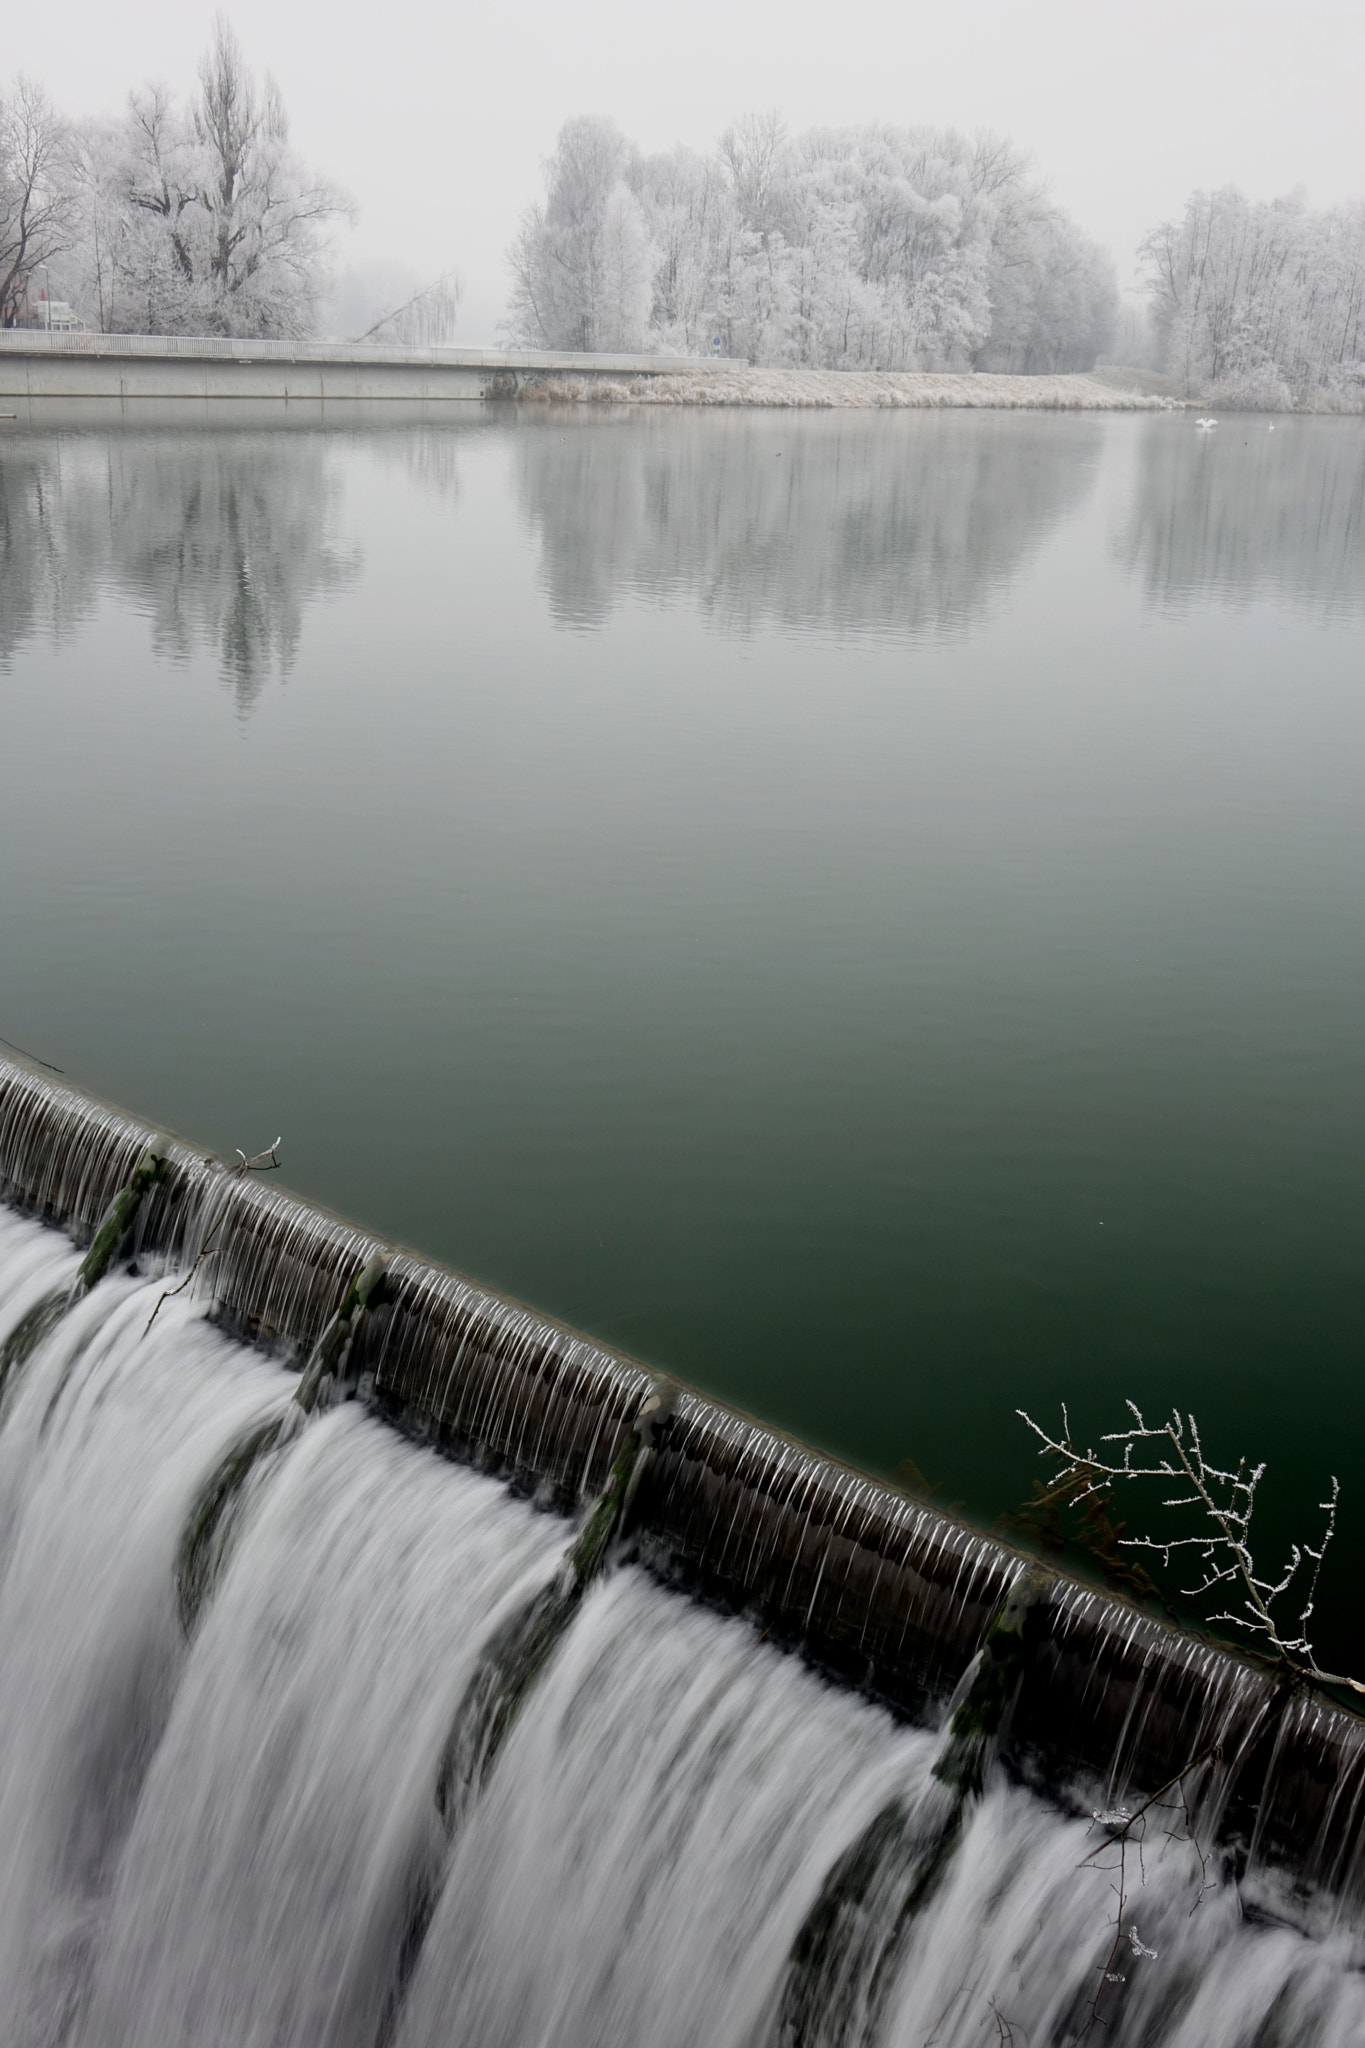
<point x="242" y="349"/>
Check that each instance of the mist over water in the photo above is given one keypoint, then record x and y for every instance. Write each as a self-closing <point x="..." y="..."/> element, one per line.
<point x="862" y="911"/>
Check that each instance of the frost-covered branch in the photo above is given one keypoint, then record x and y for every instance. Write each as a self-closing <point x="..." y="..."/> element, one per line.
<point x="425" y="319"/>
<point x="259" y="1162"/>
<point x="1172" y="1453"/>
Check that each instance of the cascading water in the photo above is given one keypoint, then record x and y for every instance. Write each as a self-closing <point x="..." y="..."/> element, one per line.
<point x="221" y="1822"/>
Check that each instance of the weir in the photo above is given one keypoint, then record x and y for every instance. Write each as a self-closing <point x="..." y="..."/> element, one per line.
<point x="881" y="1592"/>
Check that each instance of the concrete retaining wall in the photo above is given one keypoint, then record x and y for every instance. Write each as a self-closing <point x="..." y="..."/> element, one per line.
<point x="118" y="366"/>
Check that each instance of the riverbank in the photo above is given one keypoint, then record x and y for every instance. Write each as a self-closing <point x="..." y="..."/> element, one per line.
<point x="1091" y="391"/>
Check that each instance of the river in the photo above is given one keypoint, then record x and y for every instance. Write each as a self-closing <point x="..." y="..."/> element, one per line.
<point x="861" y="910"/>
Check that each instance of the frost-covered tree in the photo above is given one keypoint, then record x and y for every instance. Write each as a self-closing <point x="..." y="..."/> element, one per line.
<point x="895" y="245"/>
<point x="263" y="215"/>
<point x="137" y="263"/>
<point x="583" y="263"/>
<point x="689" y="204"/>
<point x="37" y="214"/>
<point x="199" y="218"/>
<point x="1053" y="293"/>
<point x="867" y="248"/>
<point x="1054" y="301"/>
<point x="1261" y="302"/>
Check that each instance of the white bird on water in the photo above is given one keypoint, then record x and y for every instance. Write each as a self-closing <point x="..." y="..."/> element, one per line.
<point x="1206" y="423"/>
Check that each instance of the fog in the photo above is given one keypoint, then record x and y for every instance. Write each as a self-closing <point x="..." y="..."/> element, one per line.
<point x="437" y="121"/>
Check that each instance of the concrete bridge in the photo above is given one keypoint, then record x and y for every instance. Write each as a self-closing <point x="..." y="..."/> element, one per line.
<point x="38" y="365"/>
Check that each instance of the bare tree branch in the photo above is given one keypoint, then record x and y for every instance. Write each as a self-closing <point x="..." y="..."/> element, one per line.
<point x="1225" y="1501"/>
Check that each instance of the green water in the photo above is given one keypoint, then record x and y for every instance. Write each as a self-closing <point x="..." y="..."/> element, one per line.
<point x="864" y="910"/>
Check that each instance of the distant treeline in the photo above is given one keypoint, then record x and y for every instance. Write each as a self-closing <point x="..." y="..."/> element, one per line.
<point x="855" y="248"/>
<point x="918" y="248"/>
<point x="1262" y="304"/>
<point x="861" y="248"/>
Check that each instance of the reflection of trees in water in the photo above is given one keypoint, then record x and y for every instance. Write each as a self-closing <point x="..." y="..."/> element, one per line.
<point x="430" y="455"/>
<point x="222" y="539"/>
<point x="1241" y="512"/>
<point x="54" y="538"/>
<point x="846" y="521"/>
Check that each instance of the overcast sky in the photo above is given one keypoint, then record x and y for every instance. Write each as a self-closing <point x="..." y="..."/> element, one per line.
<point x="437" y="118"/>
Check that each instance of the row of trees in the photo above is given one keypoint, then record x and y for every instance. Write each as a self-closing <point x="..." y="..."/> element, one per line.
<point x="885" y="248"/>
<point x="855" y="248"/>
<point x="174" y="218"/>
<point x="1261" y="302"/>
<point x="862" y="248"/>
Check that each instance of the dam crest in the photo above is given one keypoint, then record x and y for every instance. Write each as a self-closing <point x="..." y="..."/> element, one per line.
<point x="323" y="1737"/>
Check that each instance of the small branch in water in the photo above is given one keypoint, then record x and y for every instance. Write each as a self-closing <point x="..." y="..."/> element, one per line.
<point x="259" y="1162"/>
<point x="931" y="2040"/>
<point x="1123" y="1825"/>
<point x="1123" y="1836"/>
<point x="1004" y="2029"/>
<point x="169" y="1293"/>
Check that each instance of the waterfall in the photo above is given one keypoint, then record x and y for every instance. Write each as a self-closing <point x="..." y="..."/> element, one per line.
<point x="222" y="1819"/>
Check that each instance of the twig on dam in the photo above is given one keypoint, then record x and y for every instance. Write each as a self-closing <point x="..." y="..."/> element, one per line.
<point x="258" y="1162"/>
<point x="1226" y="1500"/>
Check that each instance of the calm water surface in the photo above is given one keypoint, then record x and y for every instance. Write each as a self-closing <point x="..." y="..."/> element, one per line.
<point x="862" y="910"/>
